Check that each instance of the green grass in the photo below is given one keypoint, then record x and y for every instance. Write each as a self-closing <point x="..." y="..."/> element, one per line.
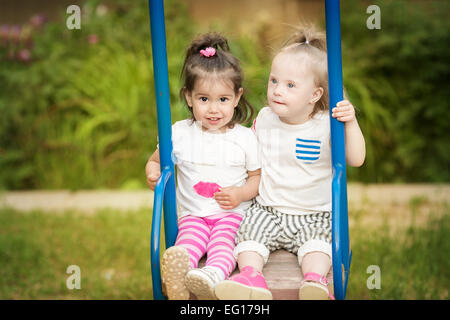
<point x="112" y="250"/>
<point x="414" y="261"/>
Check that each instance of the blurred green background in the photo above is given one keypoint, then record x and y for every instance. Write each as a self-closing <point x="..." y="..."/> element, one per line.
<point x="78" y="108"/>
<point x="77" y="111"/>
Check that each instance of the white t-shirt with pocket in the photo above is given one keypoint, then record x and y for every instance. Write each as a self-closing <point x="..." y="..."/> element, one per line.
<point x="296" y="166"/>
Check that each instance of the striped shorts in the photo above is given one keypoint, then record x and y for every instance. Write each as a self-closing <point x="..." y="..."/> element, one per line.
<point x="265" y="229"/>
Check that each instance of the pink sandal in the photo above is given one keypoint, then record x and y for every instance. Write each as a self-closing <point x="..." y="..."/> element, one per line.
<point x="314" y="287"/>
<point x="249" y="284"/>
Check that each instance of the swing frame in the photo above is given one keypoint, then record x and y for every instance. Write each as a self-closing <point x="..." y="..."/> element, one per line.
<point x="165" y="194"/>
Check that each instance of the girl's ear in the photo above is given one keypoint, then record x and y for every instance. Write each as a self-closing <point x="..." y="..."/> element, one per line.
<point x="188" y="96"/>
<point x="318" y="92"/>
<point x="238" y="96"/>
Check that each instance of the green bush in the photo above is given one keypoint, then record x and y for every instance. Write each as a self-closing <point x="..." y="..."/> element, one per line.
<point x="397" y="76"/>
<point x="79" y="111"/>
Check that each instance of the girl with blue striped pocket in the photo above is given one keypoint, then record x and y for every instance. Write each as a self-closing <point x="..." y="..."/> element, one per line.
<point x="293" y="208"/>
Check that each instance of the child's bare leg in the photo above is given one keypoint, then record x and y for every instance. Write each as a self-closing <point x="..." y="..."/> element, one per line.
<point x="317" y="262"/>
<point x="250" y="258"/>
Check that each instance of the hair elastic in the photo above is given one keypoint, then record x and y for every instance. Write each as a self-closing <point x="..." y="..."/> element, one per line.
<point x="208" y="52"/>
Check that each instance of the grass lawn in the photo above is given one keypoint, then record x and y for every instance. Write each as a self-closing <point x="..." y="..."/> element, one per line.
<point x="110" y="247"/>
<point x="112" y="250"/>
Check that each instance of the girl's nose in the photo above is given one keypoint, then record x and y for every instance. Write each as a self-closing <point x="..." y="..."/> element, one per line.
<point x="277" y="91"/>
<point x="213" y="108"/>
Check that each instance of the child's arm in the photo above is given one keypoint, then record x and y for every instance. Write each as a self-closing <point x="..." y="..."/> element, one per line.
<point x="230" y="197"/>
<point x="152" y="170"/>
<point x="355" y="146"/>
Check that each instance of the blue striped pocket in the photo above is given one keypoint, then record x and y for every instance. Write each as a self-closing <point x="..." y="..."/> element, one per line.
<point x="307" y="151"/>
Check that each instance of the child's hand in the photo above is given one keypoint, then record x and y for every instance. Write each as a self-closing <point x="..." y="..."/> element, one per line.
<point x="153" y="173"/>
<point x="344" y="111"/>
<point x="228" y="198"/>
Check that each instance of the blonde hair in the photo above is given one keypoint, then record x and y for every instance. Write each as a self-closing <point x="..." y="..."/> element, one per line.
<point x="312" y="44"/>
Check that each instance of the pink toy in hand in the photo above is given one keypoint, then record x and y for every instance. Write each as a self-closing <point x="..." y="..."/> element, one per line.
<point x="207" y="189"/>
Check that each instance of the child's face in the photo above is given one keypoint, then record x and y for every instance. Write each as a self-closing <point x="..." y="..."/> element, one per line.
<point x="213" y="101"/>
<point x="291" y="92"/>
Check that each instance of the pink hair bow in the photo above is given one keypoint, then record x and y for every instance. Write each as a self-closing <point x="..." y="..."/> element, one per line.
<point x="208" y="52"/>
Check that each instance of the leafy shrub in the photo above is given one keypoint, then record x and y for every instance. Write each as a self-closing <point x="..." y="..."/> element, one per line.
<point x="78" y="106"/>
<point x="397" y="76"/>
<point x="80" y="113"/>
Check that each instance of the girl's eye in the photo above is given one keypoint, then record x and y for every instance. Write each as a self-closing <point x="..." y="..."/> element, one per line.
<point x="204" y="99"/>
<point x="274" y="81"/>
<point x="223" y="99"/>
<point x="290" y="85"/>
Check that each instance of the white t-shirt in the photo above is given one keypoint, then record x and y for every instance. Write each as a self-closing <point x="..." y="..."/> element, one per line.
<point x="221" y="158"/>
<point x="296" y="166"/>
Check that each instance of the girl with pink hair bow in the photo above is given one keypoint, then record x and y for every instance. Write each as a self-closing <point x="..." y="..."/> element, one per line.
<point x="218" y="169"/>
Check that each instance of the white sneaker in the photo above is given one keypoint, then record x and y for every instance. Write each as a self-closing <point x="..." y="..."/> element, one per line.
<point x="202" y="282"/>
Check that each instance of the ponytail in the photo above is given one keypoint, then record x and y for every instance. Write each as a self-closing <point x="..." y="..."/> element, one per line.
<point x="309" y="37"/>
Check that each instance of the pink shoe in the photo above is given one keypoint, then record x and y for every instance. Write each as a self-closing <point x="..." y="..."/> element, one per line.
<point x="314" y="287"/>
<point x="249" y="284"/>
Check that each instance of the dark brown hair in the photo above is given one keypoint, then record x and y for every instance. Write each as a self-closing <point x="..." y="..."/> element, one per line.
<point x="223" y="62"/>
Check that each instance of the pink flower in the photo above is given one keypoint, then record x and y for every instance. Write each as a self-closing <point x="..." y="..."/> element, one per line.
<point x="4" y="33"/>
<point x="37" y="20"/>
<point x="24" y="55"/>
<point x="93" y="39"/>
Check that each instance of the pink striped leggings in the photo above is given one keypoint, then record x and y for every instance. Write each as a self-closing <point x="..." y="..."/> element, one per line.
<point x="213" y="235"/>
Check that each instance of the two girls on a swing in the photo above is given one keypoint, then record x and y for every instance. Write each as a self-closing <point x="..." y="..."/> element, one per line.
<point x="243" y="193"/>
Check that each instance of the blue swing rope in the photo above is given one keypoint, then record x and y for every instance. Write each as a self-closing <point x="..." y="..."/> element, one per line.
<point x="165" y="187"/>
